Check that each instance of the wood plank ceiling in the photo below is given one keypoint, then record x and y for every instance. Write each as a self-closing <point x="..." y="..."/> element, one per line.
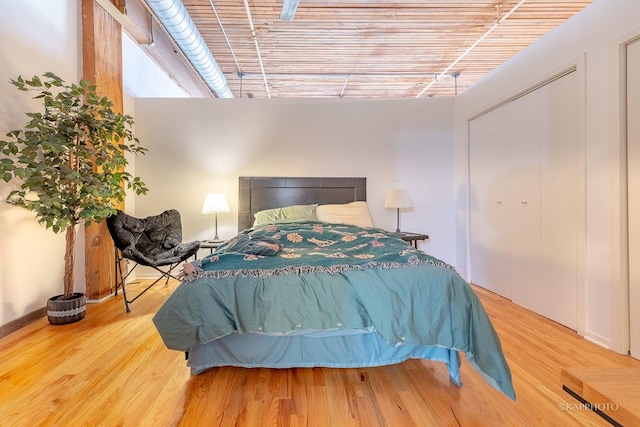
<point x="369" y="48"/>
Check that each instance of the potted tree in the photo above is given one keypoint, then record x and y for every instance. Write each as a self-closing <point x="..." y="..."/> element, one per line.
<point x="70" y="163"/>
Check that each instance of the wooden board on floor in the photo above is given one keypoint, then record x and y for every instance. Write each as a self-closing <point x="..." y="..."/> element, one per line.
<point x="613" y="391"/>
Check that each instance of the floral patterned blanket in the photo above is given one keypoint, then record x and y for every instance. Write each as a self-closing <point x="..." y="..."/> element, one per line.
<point x="309" y="247"/>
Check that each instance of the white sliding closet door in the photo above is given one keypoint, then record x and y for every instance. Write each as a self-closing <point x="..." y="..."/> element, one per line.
<point x="490" y="201"/>
<point x="525" y="136"/>
<point x="633" y="155"/>
<point x="524" y="213"/>
<point x="561" y="214"/>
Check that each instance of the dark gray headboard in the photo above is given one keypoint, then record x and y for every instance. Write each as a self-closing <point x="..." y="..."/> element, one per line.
<point x="259" y="193"/>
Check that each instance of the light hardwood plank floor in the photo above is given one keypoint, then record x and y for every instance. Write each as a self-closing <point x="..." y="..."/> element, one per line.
<point x="112" y="369"/>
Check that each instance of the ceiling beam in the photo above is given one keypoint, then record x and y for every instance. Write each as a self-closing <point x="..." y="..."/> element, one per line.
<point x="142" y="26"/>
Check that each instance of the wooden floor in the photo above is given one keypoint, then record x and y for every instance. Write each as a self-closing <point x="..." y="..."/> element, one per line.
<point x="112" y="369"/>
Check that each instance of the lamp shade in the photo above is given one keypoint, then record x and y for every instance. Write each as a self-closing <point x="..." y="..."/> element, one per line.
<point x="214" y="203"/>
<point x="397" y="199"/>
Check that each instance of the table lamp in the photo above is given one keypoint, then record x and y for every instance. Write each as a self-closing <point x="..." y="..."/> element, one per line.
<point x="397" y="199"/>
<point x="213" y="204"/>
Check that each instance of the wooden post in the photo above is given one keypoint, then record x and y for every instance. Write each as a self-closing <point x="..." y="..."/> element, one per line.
<point x="102" y="65"/>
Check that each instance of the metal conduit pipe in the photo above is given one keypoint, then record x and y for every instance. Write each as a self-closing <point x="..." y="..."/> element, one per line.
<point x="255" y="42"/>
<point x="175" y="18"/>
<point x="477" y="42"/>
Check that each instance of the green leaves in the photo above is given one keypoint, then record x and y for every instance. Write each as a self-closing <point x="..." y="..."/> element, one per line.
<point x="69" y="158"/>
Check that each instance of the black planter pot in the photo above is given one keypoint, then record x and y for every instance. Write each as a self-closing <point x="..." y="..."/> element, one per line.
<point x="62" y="311"/>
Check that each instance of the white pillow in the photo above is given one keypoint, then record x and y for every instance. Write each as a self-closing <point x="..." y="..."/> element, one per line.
<point x="354" y="213"/>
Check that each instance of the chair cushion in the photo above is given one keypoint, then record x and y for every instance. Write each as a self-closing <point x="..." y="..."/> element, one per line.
<point x="125" y="230"/>
<point x="153" y="241"/>
<point x="161" y="232"/>
<point x="177" y="253"/>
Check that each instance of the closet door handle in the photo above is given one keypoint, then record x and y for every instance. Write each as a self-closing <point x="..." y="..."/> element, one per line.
<point x="499" y="202"/>
<point x="524" y="202"/>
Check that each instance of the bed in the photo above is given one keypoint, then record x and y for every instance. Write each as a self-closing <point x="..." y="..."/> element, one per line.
<point x="308" y="284"/>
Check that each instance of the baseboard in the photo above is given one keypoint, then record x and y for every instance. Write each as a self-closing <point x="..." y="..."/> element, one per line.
<point x="144" y="276"/>
<point x="99" y="300"/>
<point x="597" y="340"/>
<point x="21" y="322"/>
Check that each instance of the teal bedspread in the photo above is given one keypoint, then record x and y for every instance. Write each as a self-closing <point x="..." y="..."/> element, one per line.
<point x="330" y="276"/>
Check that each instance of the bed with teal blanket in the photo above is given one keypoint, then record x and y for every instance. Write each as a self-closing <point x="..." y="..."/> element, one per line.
<point x="311" y="293"/>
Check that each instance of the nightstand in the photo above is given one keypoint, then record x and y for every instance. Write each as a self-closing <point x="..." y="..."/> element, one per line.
<point x="211" y="244"/>
<point x="412" y="238"/>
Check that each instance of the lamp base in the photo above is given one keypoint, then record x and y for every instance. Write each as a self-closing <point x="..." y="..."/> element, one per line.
<point x="214" y="240"/>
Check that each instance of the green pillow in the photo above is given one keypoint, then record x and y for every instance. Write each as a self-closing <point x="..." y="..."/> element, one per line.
<point x="286" y="214"/>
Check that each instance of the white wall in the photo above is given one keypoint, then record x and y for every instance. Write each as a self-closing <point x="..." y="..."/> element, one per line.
<point x="35" y="36"/>
<point x="197" y="146"/>
<point x="141" y="76"/>
<point x="38" y="36"/>
<point x="595" y="33"/>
